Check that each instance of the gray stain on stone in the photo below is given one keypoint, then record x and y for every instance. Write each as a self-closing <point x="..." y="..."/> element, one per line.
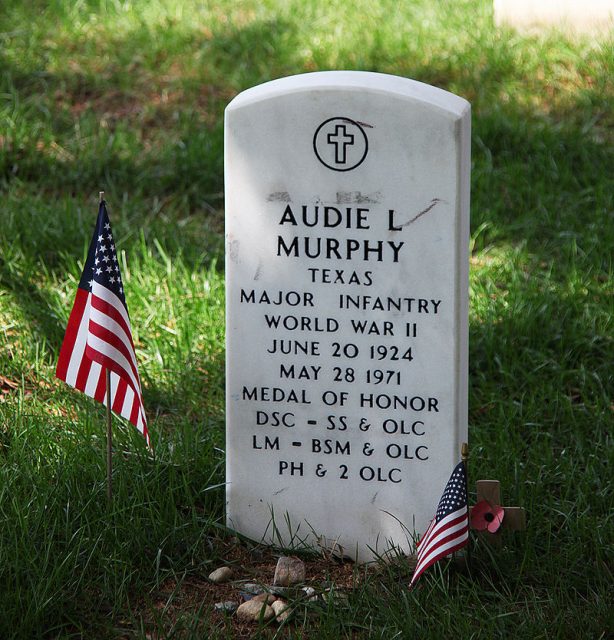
<point x="357" y="197"/>
<point x="279" y="196"/>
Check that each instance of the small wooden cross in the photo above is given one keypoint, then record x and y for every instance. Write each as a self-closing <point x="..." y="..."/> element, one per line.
<point x="514" y="518"/>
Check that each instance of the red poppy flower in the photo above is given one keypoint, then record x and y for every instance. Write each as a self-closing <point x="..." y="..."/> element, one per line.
<point x="486" y="516"/>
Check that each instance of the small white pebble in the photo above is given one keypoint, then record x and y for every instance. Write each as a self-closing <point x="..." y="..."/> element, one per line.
<point x="223" y="574"/>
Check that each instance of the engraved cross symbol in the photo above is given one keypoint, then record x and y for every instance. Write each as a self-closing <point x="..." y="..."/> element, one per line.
<point x="341" y="139"/>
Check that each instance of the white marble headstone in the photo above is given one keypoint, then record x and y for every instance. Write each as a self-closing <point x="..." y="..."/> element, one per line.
<point x="347" y="200"/>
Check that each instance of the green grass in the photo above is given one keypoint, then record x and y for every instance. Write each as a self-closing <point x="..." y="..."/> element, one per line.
<point x="129" y="97"/>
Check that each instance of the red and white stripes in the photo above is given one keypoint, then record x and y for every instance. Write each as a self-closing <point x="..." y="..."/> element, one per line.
<point x="441" y="539"/>
<point x="99" y="337"/>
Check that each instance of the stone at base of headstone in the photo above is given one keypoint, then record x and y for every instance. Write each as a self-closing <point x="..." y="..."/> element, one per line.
<point x="310" y="593"/>
<point x="282" y="610"/>
<point x="221" y="575"/>
<point x="251" y="611"/>
<point x="289" y="571"/>
<point x="252" y="588"/>
<point x="230" y="606"/>
<point x="264" y="597"/>
<point x="278" y="591"/>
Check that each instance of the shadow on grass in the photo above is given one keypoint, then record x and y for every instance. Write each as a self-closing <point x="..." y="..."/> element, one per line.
<point x="537" y="180"/>
<point x="143" y="151"/>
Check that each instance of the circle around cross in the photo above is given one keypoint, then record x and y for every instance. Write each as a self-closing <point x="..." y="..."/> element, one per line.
<point x="340" y="144"/>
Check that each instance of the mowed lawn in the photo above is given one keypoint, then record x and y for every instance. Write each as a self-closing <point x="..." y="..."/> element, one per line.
<point x="128" y="97"/>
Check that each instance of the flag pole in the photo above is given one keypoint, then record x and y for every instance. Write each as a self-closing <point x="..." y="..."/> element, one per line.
<point x="109" y="421"/>
<point x="109" y="442"/>
<point x="465" y="459"/>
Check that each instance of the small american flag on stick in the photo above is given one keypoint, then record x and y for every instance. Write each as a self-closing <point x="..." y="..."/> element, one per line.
<point x="449" y="530"/>
<point x="98" y="336"/>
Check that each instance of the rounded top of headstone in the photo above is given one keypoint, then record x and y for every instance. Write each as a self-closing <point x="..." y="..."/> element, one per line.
<point x="403" y="88"/>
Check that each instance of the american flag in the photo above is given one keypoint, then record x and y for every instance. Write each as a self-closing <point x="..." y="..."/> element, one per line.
<point x="449" y="530"/>
<point x="98" y="336"/>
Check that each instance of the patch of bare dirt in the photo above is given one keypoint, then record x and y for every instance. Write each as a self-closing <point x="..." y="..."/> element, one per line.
<point x="193" y="596"/>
